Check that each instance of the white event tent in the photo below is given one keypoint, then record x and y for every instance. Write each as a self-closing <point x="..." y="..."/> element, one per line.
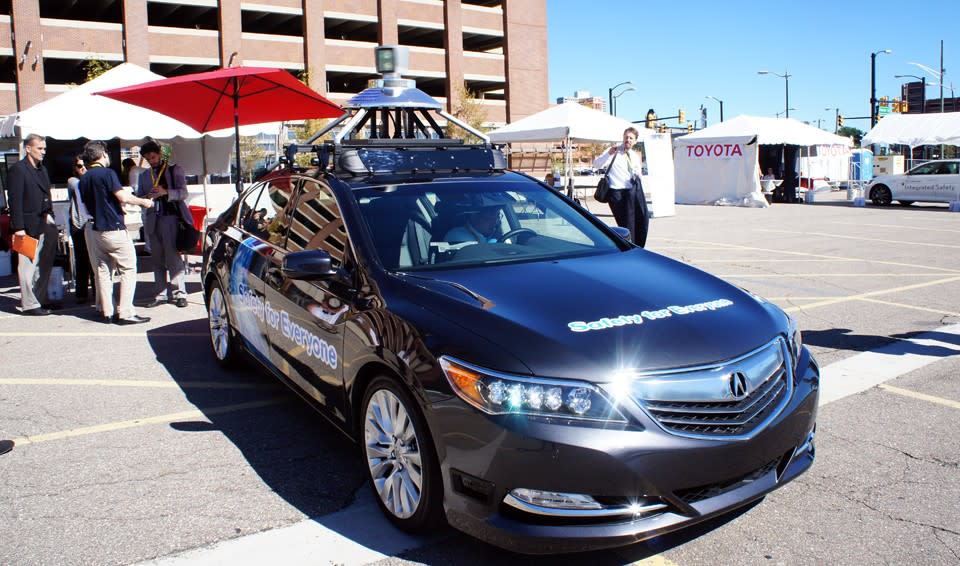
<point x="78" y="113"/>
<point x="570" y="123"/>
<point x="915" y="130"/>
<point x="719" y="164"/>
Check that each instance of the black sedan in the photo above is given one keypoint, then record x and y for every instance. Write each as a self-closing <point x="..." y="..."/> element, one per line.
<point x="508" y="363"/>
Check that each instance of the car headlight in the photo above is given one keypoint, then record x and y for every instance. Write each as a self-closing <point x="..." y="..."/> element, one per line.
<point x="497" y="393"/>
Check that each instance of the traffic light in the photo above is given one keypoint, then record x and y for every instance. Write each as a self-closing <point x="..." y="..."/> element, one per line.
<point x="681" y="116"/>
<point x="839" y="121"/>
<point x="651" y="119"/>
<point x="662" y="128"/>
<point x="690" y="128"/>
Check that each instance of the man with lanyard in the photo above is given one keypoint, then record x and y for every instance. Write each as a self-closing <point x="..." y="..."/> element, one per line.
<point x="31" y="214"/>
<point x="165" y="184"/>
<point x="104" y="198"/>
<point x="627" y="201"/>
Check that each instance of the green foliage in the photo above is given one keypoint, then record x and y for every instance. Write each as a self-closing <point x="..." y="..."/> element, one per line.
<point x="469" y="110"/>
<point x="851" y="132"/>
<point x="94" y="67"/>
<point x="251" y="155"/>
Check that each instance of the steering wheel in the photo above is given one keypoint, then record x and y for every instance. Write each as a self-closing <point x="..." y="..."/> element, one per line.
<point x="516" y="232"/>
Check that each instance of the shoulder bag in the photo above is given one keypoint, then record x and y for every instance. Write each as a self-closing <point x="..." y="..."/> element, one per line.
<point x="602" y="194"/>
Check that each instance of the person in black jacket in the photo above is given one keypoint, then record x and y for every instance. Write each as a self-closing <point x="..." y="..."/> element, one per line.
<point x="31" y="213"/>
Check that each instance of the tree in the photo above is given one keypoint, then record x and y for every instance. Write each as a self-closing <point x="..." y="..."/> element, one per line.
<point x="94" y="67"/>
<point x="469" y="110"/>
<point x="252" y="156"/>
<point x="851" y="132"/>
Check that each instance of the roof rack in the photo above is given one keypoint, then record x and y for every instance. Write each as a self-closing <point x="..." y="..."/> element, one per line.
<point x="391" y="127"/>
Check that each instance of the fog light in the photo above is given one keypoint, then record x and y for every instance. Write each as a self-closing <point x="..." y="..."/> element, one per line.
<point x="555" y="499"/>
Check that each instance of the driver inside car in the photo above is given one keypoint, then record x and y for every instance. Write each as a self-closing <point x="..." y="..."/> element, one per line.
<point x="481" y="226"/>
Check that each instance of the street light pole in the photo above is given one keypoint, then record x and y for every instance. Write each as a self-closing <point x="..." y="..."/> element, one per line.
<point x="836" y="119"/>
<point x="721" y="105"/>
<point x="786" y="83"/>
<point x="618" y="95"/>
<point x="610" y="95"/>
<point x="873" y="85"/>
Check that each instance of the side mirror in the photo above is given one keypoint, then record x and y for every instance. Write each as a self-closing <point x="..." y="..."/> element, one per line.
<point x="622" y="232"/>
<point x="309" y="264"/>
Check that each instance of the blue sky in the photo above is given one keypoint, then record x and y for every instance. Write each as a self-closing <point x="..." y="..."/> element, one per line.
<point x="676" y="53"/>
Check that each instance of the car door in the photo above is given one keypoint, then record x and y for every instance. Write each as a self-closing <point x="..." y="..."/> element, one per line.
<point x="918" y="183"/>
<point x="249" y="250"/>
<point x="306" y="317"/>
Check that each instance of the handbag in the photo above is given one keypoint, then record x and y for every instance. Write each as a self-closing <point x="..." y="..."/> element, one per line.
<point x="187" y="236"/>
<point x="602" y="193"/>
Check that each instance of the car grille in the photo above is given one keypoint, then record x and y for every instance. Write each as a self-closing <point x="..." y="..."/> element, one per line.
<point x="697" y="494"/>
<point x="705" y="402"/>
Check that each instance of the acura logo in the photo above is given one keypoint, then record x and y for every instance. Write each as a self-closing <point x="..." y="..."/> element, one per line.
<point x="738" y="385"/>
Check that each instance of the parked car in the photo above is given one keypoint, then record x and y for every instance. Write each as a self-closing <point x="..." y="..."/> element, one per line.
<point x="507" y="362"/>
<point x="934" y="181"/>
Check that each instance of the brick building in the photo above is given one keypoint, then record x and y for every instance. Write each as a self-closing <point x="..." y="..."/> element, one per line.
<point x="498" y="48"/>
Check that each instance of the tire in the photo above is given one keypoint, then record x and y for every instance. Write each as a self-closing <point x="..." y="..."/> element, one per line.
<point x="400" y="459"/>
<point x="225" y="346"/>
<point x="881" y="195"/>
<point x="905" y="202"/>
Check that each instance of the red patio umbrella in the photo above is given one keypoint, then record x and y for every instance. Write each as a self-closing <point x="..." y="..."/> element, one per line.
<point x="232" y="96"/>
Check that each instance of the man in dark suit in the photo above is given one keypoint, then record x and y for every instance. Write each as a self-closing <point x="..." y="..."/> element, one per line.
<point x="31" y="213"/>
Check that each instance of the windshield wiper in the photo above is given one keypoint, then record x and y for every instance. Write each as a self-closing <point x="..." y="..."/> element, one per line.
<point x="485" y="303"/>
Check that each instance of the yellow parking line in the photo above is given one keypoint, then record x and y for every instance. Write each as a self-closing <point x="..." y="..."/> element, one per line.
<point x="899" y="227"/>
<point x="134" y="383"/>
<point x="161" y="419"/>
<point x="787" y="275"/>
<point x="100" y="334"/>
<point x="829" y="302"/>
<point x="914" y="307"/>
<point x="780" y="252"/>
<point x="751" y="260"/>
<point x="920" y="396"/>
<point x="653" y="561"/>
<point x="861" y="238"/>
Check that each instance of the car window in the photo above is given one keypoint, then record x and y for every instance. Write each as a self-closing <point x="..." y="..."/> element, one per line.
<point x="317" y="223"/>
<point x="925" y="169"/>
<point x="951" y="168"/>
<point x="262" y="212"/>
<point x="471" y="223"/>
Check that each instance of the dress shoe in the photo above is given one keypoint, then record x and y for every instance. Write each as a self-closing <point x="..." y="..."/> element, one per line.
<point x="39" y="311"/>
<point x="181" y="302"/>
<point x="111" y="319"/>
<point x="132" y="320"/>
<point x="53" y="306"/>
<point x="155" y="303"/>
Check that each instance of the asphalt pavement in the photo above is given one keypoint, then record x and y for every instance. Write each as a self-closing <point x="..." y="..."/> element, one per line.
<point x="132" y="445"/>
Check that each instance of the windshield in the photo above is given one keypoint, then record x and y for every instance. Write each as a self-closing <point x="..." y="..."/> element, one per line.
<point x="475" y="222"/>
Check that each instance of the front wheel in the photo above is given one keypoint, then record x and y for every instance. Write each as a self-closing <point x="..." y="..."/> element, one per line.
<point x="881" y="195"/>
<point x="401" y="462"/>
<point x="225" y="346"/>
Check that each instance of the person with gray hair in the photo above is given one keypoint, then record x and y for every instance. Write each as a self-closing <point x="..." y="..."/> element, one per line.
<point x="104" y="198"/>
<point x="31" y="214"/>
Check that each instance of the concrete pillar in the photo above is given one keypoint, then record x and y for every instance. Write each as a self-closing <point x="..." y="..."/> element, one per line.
<point x="230" y="30"/>
<point x="387" y="14"/>
<point x="136" y="40"/>
<point x="525" y="49"/>
<point x="27" y="53"/>
<point x="453" y="43"/>
<point x="314" y="48"/>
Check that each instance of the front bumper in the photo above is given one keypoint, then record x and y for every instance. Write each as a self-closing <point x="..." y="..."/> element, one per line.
<point x="650" y="481"/>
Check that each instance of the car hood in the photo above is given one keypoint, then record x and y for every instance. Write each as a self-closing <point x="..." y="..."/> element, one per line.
<point x="593" y="315"/>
